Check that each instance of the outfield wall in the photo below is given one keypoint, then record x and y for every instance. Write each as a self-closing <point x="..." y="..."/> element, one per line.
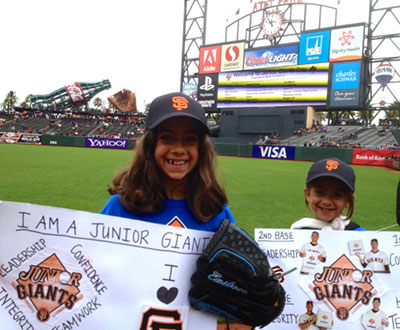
<point x="388" y="158"/>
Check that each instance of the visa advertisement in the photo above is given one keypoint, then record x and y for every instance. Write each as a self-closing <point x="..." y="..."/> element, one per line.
<point x="232" y="57"/>
<point x="345" y="84"/>
<point x="347" y="44"/>
<point x="271" y="57"/>
<point x="314" y="47"/>
<point x="273" y="152"/>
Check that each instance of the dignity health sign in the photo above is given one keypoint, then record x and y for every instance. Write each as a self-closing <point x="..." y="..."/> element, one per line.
<point x="339" y="273"/>
<point x="65" y="269"/>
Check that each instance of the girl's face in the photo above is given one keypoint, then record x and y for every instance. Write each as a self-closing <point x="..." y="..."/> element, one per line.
<point x="177" y="149"/>
<point x="327" y="197"/>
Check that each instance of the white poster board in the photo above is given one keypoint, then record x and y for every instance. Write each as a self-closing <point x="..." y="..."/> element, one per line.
<point x="339" y="284"/>
<point x="66" y="269"/>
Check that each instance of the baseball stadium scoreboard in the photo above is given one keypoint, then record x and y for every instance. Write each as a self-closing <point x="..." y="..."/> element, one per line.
<point x="325" y="69"/>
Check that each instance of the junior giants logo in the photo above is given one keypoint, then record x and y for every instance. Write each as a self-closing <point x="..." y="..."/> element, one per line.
<point x="343" y="286"/>
<point x="48" y="286"/>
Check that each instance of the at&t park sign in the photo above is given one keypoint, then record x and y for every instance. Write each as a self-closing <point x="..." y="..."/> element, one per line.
<point x="270" y="3"/>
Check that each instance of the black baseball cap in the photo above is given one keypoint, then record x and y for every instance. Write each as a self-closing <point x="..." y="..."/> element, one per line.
<point x="335" y="168"/>
<point x="175" y="105"/>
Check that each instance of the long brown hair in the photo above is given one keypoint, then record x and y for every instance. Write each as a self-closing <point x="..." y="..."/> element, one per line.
<point x="140" y="185"/>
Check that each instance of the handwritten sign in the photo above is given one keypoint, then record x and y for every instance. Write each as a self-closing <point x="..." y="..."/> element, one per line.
<point x="64" y="269"/>
<point x="344" y="280"/>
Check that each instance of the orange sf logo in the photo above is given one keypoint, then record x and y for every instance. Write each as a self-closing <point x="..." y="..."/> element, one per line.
<point x="332" y="165"/>
<point x="180" y="103"/>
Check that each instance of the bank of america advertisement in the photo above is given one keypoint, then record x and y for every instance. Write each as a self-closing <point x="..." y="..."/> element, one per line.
<point x="347" y="44"/>
<point x="345" y="84"/>
<point x="314" y="47"/>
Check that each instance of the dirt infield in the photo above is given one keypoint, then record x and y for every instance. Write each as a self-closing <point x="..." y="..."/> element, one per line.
<point x="233" y="326"/>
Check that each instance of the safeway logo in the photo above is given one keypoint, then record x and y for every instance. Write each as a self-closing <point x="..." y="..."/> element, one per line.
<point x="208" y="85"/>
<point x="232" y="53"/>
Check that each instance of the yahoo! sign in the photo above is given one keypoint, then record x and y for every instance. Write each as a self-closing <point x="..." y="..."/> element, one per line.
<point x="94" y="142"/>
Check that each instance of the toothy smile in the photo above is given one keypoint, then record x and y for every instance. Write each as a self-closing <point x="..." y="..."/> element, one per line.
<point x="176" y="162"/>
<point x="325" y="209"/>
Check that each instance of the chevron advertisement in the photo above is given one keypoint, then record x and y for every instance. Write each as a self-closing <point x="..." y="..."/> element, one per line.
<point x="314" y="47"/>
<point x="274" y="152"/>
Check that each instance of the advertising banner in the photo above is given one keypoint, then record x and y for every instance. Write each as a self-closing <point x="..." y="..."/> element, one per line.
<point x="66" y="269"/>
<point x="299" y="75"/>
<point x="75" y="93"/>
<point x="314" y="47"/>
<point x="207" y="92"/>
<point x="345" y="84"/>
<point x="271" y="57"/>
<point x="375" y="157"/>
<point x="232" y="57"/>
<point x="284" y="86"/>
<point x="347" y="44"/>
<point x="273" y="152"/>
<point x="10" y="137"/>
<point x="30" y="138"/>
<point x="210" y="59"/>
<point x="338" y="274"/>
<point x="190" y="89"/>
<point x="96" y="142"/>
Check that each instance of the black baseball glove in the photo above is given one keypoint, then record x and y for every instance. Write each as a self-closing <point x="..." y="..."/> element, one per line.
<point x="234" y="280"/>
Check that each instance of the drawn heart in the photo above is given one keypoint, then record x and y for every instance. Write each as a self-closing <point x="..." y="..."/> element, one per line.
<point x="167" y="296"/>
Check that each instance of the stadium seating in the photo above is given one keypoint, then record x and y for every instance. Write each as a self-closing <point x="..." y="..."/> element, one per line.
<point x="98" y="124"/>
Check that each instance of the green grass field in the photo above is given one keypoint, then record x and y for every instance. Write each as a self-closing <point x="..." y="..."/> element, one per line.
<point x="262" y="193"/>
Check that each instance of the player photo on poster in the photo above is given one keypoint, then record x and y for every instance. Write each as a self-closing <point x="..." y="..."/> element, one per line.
<point x="345" y="282"/>
<point x="312" y="253"/>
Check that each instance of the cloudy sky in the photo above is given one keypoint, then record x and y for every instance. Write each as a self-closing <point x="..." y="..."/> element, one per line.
<point x="47" y="44"/>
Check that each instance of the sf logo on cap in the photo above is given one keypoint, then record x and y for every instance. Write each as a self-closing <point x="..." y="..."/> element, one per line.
<point x="332" y="165"/>
<point x="180" y="103"/>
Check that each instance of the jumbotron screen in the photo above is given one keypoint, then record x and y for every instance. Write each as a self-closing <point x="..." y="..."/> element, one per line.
<point x="323" y="69"/>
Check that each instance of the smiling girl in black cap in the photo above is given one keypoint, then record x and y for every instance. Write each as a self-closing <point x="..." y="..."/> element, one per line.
<point x="329" y="190"/>
<point x="172" y="179"/>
